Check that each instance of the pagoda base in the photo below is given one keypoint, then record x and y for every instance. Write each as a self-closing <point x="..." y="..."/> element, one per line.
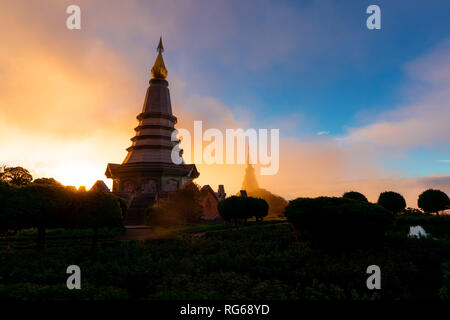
<point x="142" y="184"/>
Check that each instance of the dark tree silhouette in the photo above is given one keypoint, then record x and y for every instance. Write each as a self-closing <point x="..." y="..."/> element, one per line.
<point x="355" y="196"/>
<point x="260" y="208"/>
<point x="392" y="201"/>
<point x="237" y="209"/>
<point x="433" y="201"/>
<point x="48" y="181"/>
<point x="338" y="223"/>
<point x="16" y="175"/>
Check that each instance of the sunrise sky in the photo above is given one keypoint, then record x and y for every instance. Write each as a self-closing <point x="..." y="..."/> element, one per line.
<point x="357" y="109"/>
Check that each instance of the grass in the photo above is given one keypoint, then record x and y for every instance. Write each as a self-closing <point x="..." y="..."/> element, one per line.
<point x="58" y="237"/>
<point x="218" y="227"/>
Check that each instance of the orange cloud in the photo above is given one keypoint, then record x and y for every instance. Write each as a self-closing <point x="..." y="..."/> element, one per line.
<point x="68" y="103"/>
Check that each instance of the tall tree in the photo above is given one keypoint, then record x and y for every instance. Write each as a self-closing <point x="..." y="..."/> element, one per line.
<point x="16" y="175"/>
<point x="433" y="201"/>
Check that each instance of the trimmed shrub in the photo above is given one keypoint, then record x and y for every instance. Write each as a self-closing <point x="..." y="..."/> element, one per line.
<point x="260" y="208"/>
<point x="46" y="206"/>
<point x="275" y="202"/>
<point x="355" y="196"/>
<point x="338" y="222"/>
<point x="233" y="209"/>
<point x="433" y="201"/>
<point x="237" y="209"/>
<point x="392" y="201"/>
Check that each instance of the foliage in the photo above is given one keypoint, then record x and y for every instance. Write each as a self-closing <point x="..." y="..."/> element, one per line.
<point x="180" y="207"/>
<point x="435" y="226"/>
<point x="433" y="201"/>
<point x="444" y="292"/>
<point x="355" y="196"/>
<point x="259" y="208"/>
<point x="413" y="212"/>
<point x="338" y="222"/>
<point x="275" y="202"/>
<point x="122" y="203"/>
<point x="48" y="181"/>
<point x="47" y="206"/>
<point x="237" y="209"/>
<point x="31" y="291"/>
<point x="261" y="262"/>
<point x="16" y="175"/>
<point x="392" y="201"/>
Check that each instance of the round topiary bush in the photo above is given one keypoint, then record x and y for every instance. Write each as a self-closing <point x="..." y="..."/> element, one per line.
<point x="392" y="201"/>
<point x="433" y="201"/>
<point x="233" y="209"/>
<point x="355" y="196"/>
<point x="260" y="208"/>
<point x="237" y="209"/>
<point x="338" y="222"/>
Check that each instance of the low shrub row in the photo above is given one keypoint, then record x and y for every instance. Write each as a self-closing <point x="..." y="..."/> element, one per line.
<point x="338" y="222"/>
<point x="48" y="207"/>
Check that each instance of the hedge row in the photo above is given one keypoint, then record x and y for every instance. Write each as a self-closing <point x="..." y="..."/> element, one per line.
<point x="47" y="207"/>
<point x="338" y="222"/>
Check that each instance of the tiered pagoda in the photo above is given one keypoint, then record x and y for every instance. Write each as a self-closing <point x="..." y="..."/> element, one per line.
<point x="250" y="183"/>
<point x="148" y="173"/>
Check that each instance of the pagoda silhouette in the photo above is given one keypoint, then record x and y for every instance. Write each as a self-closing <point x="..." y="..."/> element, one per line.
<point x="249" y="183"/>
<point x="148" y="172"/>
<point x="250" y="188"/>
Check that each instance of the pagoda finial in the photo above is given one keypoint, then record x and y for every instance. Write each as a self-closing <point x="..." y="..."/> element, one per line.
<point x="160" y="48"/>
<point x="159" y="70"/>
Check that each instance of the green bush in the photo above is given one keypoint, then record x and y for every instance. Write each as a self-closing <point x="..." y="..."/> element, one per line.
<point x="30" y="291"/>
<point x="444" y="292"/>
<point x="47" y="206"/>
<point x="260" y="208"/>
<point x="355" y="196"/>
<point x="433" y="201"/>
<point x="392" y="201"/>
<point x="260" y="262"/>
<point x="333" y="222"/>
<point x="233" y="209"/>
<point x="179" y="208"/>
<point x="237" y="209"/>
<point x="435" y="226"/>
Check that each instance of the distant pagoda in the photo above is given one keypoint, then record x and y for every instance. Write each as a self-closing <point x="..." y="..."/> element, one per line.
<point x="148" y="173"/>
<point x="250" y="183"/>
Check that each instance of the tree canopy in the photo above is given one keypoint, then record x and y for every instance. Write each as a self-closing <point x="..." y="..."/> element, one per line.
<point x="16" y="175"/>
<point x="355" y="196"/>
<point x="392" y="201"/>
<point x="433" y="201"/>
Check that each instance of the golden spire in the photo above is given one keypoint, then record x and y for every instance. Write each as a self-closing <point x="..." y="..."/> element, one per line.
<point x="159" y="70"/>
